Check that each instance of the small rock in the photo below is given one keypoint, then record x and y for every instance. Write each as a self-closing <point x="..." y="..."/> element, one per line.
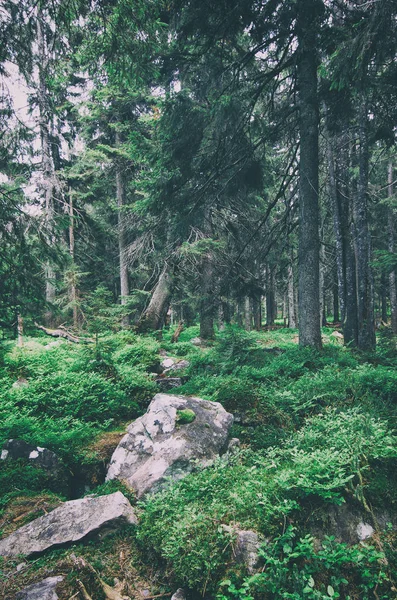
<point x="178" y="366"/>
<point x="364" y="531"/>
<point x="167" y="383"/>
<point x="20" y="567"/>
<point x="70" y="522"/>
<point x="196" y="341"/>
<point x="233" y="445"/>
<point x="20" y="383"/>
<point x="44" y="590"/>
<point x="246" y="548"/>
<point x="337" y="334"/>
<point x="179" y="595"/>
<point x="167" y="363"/>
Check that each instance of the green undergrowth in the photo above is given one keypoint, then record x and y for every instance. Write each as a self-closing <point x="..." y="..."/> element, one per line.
<point x="61" y="395"/>
<point x="317" y="433"/>
<point x="329" y="461"/>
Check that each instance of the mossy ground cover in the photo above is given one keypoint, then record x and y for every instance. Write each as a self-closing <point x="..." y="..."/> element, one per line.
<point x="317" y="430"/>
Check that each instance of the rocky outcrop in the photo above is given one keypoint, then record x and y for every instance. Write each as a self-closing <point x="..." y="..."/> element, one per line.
<point x="166" y="442"/>
<point x="44" y="590"/>
<point x="70" y="522"/>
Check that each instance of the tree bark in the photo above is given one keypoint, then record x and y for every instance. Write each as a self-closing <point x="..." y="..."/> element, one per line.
<point x="291" y="298"/>
<point x="122" y="236"/>
<point x="365" y="310"/>
<point x="337" y="223"/>
<point x="73" y="281"/>
<point x="257" y="311"/>
<point x="247" y="314"/>
<point x="270" y="298"/>
<point x="207" y="301"/>
<point x="154" y="315"/>
<point x="50" y="182"/>
<point x="392" y="249"/>
<point x="309" y="302"/>
<point x="20" y="330"/>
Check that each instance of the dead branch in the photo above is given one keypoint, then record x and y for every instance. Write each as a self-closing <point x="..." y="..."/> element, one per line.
<point x="177" y="332"/>
<point x="63" y="333"/>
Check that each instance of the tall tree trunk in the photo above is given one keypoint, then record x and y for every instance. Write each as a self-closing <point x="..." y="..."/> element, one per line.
<point x="207" y="301"/>
<point x="350" y="332"/>
<point x="337" y="222"/>
<point x="247" y="314"/>
<point x="154" y="315"/>
<point x="20" y="330"/>
<point x="291" y="297"/>
<point x="270" y="297"/>
<point x="322" y="315"/>
<point x="240" y="311"/>
<point x="335" y="294"/>
<point x="309" y="301"/>
<point x="392" y="249"/>
<point x="122" y="236"/>
<point x="365" y="311"/>
<point x="50" y="182"/>
<point x="257" y="311"/>
<point x="73" y="281"/>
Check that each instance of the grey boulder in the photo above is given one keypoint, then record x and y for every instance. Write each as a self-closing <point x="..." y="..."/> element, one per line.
<point x="70" y="522"/>
<point x="175" y="434"/>
<point x="45" y="590"/>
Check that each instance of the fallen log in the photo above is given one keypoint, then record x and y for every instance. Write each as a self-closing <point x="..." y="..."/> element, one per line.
<point x="63" y="333"/>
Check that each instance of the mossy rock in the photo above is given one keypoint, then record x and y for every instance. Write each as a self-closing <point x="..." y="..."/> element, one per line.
<point x="185" y="416"/>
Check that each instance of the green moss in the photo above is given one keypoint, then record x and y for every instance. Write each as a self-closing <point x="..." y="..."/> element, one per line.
<point x="185" y="416"/>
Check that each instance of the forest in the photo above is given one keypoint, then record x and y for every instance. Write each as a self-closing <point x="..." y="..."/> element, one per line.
<point x="198" y="299"/>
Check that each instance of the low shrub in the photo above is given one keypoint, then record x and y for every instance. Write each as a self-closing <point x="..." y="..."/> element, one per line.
<point x="293" y="568"/>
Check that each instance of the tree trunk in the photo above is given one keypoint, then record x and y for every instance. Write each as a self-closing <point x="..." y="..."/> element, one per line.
<point x="337" y="222"/>
<point x="50" y="182"/>
<point x="240" y="311"/>
<point x="72" y="281"/>
<point x="270" y="298"/>
<point x="154" y="315"/>
<point x="20" y="330"/>
<point x="122" y="236"/>
<point x="207" y="302"/>
<point x="392" y="249"/>
<point x="247" y="314"/>
<point x="365" y="310"/>
<point x="322" y="315"/>
<point x="335" y="293"/>
<point x="309" y="302"/>
<point x="257" y="311"/>
<point x="291" y="298"/>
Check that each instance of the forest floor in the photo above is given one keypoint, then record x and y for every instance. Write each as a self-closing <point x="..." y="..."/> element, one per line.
<point x="318" y="451"/>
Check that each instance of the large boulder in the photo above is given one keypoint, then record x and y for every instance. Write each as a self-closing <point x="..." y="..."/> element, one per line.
<point x="44" y="590"/>
<point x="70" y="522"/>
<point x="175" y="434"/>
